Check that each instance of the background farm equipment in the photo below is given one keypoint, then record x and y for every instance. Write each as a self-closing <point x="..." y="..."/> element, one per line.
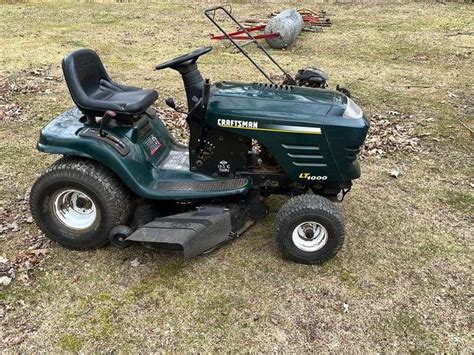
<point x="282" y="28"/>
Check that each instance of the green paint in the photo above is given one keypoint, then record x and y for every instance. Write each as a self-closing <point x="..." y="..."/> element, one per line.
<point x="303" y="129"/>
<point x="139" y="170"/>
<point x="282" y="108"/>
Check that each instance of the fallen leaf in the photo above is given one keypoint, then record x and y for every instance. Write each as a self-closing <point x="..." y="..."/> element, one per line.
<point x="135" y="262"/>
<point x="13" y="227"/>
<point x="5" y="281"/>
<point x="394" y="173"/>
<point x="17" y="340"/>
<point x="38" y="252"/>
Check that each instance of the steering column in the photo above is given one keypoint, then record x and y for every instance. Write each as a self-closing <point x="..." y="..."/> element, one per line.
<point x="193" y="82"/>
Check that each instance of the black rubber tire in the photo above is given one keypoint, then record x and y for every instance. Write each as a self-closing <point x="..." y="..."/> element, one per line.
<point x="308" y="208"/>
<point x="111" y="197"/>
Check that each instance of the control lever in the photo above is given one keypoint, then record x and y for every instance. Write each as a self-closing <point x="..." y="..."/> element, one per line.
<point x="204" y="101"/>
<point x="205" y="93"/>
<point x="108" y="116"/>
<point x="170" y="103"/>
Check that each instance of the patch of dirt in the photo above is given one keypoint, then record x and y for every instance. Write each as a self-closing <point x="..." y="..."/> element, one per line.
<point x="15" y="88"/>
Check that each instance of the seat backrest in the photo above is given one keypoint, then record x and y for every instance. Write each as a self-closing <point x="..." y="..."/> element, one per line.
<point x="83" y="71"/>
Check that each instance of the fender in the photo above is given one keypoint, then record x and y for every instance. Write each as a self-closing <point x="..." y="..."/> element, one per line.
<point x="148" y="143"/>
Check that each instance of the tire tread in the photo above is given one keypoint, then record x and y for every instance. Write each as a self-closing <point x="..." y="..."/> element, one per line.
<point x="118" y="197"/>
<point x="308" y="204"/>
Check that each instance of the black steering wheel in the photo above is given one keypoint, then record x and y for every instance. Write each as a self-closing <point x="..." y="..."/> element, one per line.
<point x="189" y="58"/>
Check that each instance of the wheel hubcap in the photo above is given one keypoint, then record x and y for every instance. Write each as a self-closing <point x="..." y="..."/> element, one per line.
<point x="310" y="236"/>
<point x="74" y="209"/>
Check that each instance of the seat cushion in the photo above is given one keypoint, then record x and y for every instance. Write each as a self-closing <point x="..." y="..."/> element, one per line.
<point x="121" y="99"/>
<point x="94" y="92"/>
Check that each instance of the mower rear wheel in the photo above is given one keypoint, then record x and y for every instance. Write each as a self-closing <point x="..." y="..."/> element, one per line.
<point x="309" y="229"/>
<point x="77" y="201"/>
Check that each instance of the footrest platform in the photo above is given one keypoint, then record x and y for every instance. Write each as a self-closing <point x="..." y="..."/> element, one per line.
<point x="200" y="186"/>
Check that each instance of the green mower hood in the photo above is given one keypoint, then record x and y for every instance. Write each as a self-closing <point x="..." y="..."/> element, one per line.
<point x="311" y="133"/>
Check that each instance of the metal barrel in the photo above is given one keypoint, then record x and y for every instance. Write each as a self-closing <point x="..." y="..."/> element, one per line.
<point x="288" y="25"/>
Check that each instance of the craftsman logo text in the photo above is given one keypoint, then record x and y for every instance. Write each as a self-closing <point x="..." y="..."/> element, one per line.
<point x="237" y="124"/>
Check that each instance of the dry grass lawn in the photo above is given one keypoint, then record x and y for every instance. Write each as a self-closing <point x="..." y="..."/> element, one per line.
<point x="406" y="269"/>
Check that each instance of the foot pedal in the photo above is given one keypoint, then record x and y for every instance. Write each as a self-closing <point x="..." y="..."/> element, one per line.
<point x="194" y="232"/>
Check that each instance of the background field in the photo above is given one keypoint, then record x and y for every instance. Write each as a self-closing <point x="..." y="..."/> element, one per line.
<point x="401" y="283"/>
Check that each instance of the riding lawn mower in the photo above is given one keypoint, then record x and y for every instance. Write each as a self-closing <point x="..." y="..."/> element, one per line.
<point x="124" y="179"/>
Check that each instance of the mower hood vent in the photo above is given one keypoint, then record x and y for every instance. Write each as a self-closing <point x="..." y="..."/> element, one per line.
<point x="274" y="87"/>
<point x="352" y="153"/>
<point x="305" y="155"/>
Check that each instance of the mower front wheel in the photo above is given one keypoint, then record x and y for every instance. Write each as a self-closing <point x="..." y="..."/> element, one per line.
<point x="77" y="201"/>
<point x="309" y="229"/>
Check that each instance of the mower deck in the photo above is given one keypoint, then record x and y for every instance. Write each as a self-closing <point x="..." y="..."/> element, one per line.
<point x="196" y="231"/>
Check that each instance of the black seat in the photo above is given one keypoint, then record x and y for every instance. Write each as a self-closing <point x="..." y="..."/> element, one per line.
<point x="94" y="92"/>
